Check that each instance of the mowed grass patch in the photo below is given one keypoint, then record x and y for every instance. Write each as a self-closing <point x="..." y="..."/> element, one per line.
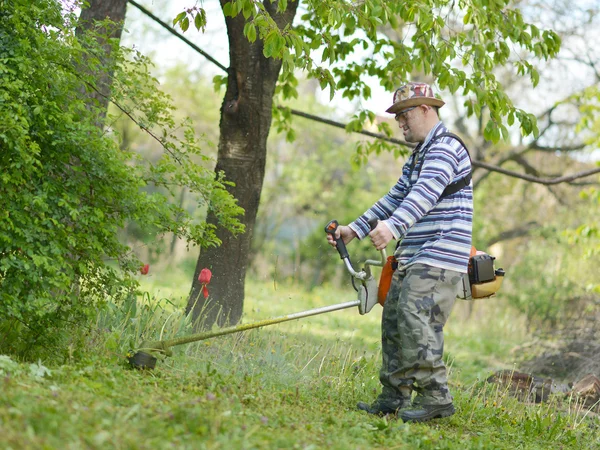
<point x="291" y="385"/>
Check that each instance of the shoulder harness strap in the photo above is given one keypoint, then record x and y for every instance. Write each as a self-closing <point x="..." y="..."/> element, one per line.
<point x="452" y="188"/>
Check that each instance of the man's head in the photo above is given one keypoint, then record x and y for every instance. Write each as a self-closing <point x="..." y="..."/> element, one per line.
<point x="416" y="110"/>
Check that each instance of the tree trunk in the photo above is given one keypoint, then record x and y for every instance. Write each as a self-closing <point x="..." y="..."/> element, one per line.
<point x="99" y="97"/>
<point x="244" y="128"/>
<point x="99" y="10"/>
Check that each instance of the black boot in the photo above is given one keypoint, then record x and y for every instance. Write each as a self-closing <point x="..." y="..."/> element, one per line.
<point x="384" y="405"/>
<point x="426" y="412"/>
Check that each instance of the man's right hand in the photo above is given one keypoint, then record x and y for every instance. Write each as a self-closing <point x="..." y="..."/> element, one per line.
<point x="343" y="231"/>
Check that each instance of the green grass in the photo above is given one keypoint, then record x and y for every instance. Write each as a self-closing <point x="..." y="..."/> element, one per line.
<point x="291" y="385"/>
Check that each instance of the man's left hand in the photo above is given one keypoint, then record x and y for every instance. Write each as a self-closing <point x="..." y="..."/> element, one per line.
<point x="381" y="236"/>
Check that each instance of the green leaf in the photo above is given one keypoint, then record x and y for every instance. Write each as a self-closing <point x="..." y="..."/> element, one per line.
<point x="248" y="10"/>
<point x="535" y="77"/>
<point x="505" y="134"/>
<point x="252" y="33"/>
<point x="185" y="24"/>
<point x="179" y="17"/>
<point x="200" y="20"/>
<point x="511" y="118"/>
<point x="270" y="43"/>
<point x="488" y="132"/>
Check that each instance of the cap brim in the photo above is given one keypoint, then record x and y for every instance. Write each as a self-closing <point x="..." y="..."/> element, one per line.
<point x="416" y="101"/>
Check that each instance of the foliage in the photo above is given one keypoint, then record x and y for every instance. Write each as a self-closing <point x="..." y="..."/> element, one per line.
<point x="589" y="127"/>
<point x="542" y="287"/>
<point x="196" y="103"/>
<point x="587" y="236"/>
<point x="294" y="385"/>
<point x="588" y="101"/>
<point x="551" y="264"/>
<point x="67" y="187"/>
<point x="345" y="44"/>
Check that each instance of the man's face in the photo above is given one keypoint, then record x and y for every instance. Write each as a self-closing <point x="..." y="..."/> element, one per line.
<point x="410" y="121"/>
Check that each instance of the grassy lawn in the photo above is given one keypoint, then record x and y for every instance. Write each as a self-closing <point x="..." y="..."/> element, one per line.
<point x="291" y="385"/>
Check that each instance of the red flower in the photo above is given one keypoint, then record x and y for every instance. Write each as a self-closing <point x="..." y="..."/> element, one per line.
<point x="145" y="269"/>
<point x="205" y="276"/>
<point x="204" y="279"/>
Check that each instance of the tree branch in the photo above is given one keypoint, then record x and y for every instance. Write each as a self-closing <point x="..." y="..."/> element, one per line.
<point x="475" y="163"/>
<point x="514" y="233"/>
<point x="140" y="125"/>
<point x="563" y="148"/>
<point x="547" y="182"/>
<point x="333" y="123"/>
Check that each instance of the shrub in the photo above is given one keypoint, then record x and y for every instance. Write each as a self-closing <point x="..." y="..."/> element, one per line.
<point x="67" y="188"/>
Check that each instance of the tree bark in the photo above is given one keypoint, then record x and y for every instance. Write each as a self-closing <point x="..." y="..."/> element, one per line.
<point x="99" y="10"/>
<point x="244" y="127"/>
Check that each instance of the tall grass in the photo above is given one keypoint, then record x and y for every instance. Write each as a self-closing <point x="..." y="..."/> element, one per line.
<point x="291" y="385"/>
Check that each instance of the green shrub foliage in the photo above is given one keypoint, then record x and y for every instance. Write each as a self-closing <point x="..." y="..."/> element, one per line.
<point x="67" y="188"/>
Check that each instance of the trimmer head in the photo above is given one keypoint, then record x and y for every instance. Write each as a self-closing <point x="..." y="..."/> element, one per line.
<point x="142" y="360"/>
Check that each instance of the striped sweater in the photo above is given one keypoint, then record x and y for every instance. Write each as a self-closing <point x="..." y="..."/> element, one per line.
<point x="432" y="231"/>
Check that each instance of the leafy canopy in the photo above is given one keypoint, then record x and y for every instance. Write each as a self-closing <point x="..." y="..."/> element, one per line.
<point x="458" y="43"/>
<point x="68" y="188"/>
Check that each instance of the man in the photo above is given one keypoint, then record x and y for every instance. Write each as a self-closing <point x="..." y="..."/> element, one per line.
<point x="429" y="211"/>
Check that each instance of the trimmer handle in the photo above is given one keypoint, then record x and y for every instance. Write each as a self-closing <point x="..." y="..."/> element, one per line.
<point x="331" y="228"/>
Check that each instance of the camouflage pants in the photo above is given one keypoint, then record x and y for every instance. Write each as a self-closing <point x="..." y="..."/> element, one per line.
<point x="417" y="306"/>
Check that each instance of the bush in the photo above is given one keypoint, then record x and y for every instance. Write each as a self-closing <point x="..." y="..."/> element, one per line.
<point x="67" y="187"/>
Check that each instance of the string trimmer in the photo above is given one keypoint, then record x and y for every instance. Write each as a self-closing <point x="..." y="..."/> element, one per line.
<point x="367" y="286"/>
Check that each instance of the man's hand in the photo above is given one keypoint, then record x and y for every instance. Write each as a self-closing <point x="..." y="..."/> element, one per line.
<point x="343" y="231"/>
<point x="381" y="236"/>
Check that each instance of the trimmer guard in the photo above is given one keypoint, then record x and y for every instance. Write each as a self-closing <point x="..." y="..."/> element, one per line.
<point x="367" y="292"/>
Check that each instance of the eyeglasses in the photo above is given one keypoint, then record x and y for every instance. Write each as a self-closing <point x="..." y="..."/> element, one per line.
<point x="402" y="114"/>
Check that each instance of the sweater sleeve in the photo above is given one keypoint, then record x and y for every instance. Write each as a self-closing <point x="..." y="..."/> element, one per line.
<point x="439" y="165"/>
<point x="385" y="207"/>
